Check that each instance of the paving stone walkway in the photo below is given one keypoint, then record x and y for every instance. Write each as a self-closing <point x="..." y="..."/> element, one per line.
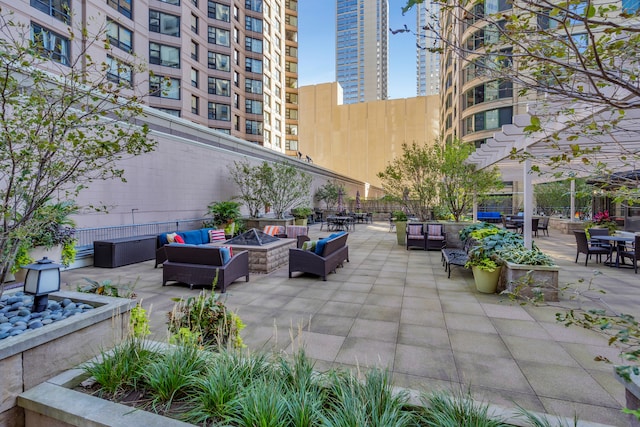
<point x="397" y="309"/>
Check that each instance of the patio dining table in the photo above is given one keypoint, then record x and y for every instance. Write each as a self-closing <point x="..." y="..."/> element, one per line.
<point x="620" y="245"/>
<point x="339" y="223"/>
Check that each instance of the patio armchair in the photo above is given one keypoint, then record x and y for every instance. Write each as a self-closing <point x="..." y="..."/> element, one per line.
<point x="599" y="232"/>
<point x="436" y="237"/>
<point x="633" y="254"/>
<point x="416" y="236"/>
<point x="507" y="224"/>
<point x="543" y="225"/>
<point x="583" y="247"/>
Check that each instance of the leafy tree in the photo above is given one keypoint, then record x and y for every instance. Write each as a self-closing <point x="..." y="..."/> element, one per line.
<point x="413" y="178"/>
<point x="462" y="182"/>
<point x="553" y="195"/>
<point x="329" y="193"/>
<point x="577" y="59"/>
<point x="283" y="186"/>
<point x="249" y="184"/>
<point x="63" y="126"/>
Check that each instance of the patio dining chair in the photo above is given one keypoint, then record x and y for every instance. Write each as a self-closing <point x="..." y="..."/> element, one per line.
<point x="436" y="236"/>
<point x="633" y="254"/>
<point x="543" y="225"/>
<point x="416" y="236"/>
<point x="583" y="247"/>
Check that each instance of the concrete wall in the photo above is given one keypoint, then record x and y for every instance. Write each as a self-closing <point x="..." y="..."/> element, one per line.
<point x="187" y="171"/>
<point x="359" y="140"/>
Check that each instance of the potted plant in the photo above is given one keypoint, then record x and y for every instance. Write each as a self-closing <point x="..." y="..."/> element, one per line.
<point x="52" y="235"/>
<point x="400" y="219"/>
<point x="601" y="220"/>
<point x="224" y="215"/>
<point x="301" y="214"/>
<point x="486" y="271"/>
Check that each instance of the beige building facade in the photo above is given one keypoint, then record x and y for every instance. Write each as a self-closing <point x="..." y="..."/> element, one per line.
<point x="359" y="140"/>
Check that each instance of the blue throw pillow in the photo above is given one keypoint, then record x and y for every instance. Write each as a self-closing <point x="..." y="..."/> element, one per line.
<point x="320" y="245"/>
<point x="204" y="234"/>
<point x="226" y="255"/>
<point x="338" y="234"/>
<point x="163" y="239"/>
<point x="193" y="237"/>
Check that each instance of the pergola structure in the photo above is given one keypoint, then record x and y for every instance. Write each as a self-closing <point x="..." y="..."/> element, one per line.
<point x="611" y="144"/>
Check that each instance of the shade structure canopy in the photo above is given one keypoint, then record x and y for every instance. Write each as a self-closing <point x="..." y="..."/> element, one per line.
<point x="612" y="149"/>
<point x="608" y="141"/>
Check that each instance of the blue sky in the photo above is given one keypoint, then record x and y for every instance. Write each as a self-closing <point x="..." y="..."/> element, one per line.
<point x="317" y="46"/>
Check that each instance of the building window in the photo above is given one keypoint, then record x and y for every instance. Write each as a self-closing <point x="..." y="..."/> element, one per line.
<point x="163" y="87"/>
<point x="253" y="45"/>
<point x="278" y="142"/>
<point x="266" y="137"/>
<point x="291" y="51"/>
<point x="195" y="24"/>
<point x="218" y="61"/>
<point x="164" y="23"/>
<point x="253" y="106"/>
<point x="161" y="54"/>
<point x="51" y="45"/>
<point x="195" y="105"/>
<point x="292" y="98"/>
<point x="226" y="131"/>
<point x="119" y="36"/>
<point x="255" y="5"/>
<point x="59" y="9"/>
<point x="122" y="6"/>
<point x="253" y="127"/>
<point x="219" y="111"/>
<point x="253" y="24"/>
<point x="219" y="36"/>
<point x="487" y="120"/>
<point x="291" y="67"/>
<point x="253" y="65"/>
<point x="291" y="145"/>
<point x="236" y="122"/>
<point x="195" y="77"/>
<point x="487" y="92"/>
<point x="236" y="79"/>
<point x="174" y="2"/>
<point x="291" y="113"/>
<point x="119" y="72"/>
<point x="252" y="86"/>
<point x="195" y="51"/>
<point x="218" y="86"/>
<point x="291" y="129"/>
<point x="236" y="100"/>
<point x="194" y="2"/>
<point x="218" y="11"/>
<point x="171" y="111"/>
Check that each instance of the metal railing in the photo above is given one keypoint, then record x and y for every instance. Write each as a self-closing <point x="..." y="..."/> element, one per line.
<point x="86" y="236"/>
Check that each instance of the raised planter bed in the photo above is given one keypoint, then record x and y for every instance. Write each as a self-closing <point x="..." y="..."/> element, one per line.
<point x="27" y="360"/>
<point x="513" y="278"/>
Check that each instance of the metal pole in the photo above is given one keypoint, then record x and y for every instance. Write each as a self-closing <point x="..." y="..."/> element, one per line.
<point x="528" y="204"/>
<point x="573" y="199"/>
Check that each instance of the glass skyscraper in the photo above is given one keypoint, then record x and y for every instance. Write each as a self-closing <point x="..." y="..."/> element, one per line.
<point x="362" y="43"/>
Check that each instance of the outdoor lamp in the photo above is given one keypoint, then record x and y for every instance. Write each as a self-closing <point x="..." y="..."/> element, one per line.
<point x="43" y="277"/>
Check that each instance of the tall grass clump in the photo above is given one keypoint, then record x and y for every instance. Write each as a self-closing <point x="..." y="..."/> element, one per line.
<point x="444" y="409"/>
<point x="174" y="374"/>
<point x="122" y="367"/>
<point x="371" y="402"/>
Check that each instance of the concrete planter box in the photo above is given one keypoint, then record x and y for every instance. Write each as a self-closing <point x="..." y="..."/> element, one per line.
<point x="33" y="357"/>
<point x="632" y="396"/>
<point x="54" y="403"/>
<point x="259" y="223"/>
<point x="545" y="278"/>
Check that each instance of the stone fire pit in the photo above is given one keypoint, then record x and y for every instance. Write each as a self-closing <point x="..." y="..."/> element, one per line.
<point x="266" y="253"/>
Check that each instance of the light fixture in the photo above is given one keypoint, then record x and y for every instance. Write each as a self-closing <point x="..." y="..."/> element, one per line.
<point x="43" y="277"/>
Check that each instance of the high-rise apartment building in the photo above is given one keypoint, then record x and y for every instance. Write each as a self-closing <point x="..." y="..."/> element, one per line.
<point x="428" y="62"/>
<point x="362" y="44"/>
<point x="230" y="65"/>
<point x="473" y="104"/>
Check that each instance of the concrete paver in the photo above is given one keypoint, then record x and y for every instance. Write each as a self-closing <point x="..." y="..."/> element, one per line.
<point x="397" y="309"/>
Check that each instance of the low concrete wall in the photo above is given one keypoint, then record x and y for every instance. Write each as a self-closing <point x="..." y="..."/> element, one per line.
<point x="29" y="359"/>
<point x="564" y="225"/>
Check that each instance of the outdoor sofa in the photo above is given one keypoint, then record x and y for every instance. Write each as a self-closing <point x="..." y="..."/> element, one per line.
<point x="199" y="265"/>
<point x="202" y="236"/>
<point x="326" y="255"/>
